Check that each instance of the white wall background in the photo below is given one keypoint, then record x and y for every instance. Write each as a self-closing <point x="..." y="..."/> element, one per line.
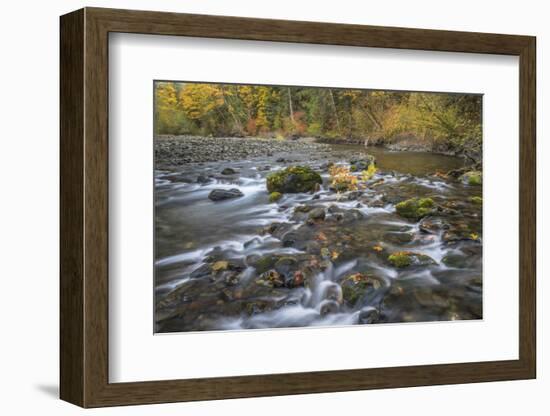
<point x="29" y="206"/>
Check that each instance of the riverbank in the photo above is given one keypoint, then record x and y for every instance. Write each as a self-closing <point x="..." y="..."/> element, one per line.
<point x="174" y="151"/>
<point x="408" y="144"/>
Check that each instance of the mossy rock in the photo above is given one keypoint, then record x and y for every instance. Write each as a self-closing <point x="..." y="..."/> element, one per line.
<point x="294" y="179"/>
<point x="264" y="263"/>
<point x="357" y="285"/>
<point x="275" y="196"/>
<point x="477" y="200"/>
<point x="473" y="178"/>
<point x="416" y="208"/>
<point x="362" y="163"/>
<point x="402" y="259"/>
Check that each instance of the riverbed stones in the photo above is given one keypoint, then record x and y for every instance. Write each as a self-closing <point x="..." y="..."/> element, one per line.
<point x="174" y="151"/>
<point x="294" y="179"/>
<point x="223" y="194"/>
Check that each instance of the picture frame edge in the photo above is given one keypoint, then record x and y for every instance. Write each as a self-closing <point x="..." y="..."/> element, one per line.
<point x="84" y="214"/>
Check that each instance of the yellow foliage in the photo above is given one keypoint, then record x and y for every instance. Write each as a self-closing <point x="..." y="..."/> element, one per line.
<point x="198" y="100"/>
<point x="368" y="174"/>
<point x="342" y="179"/>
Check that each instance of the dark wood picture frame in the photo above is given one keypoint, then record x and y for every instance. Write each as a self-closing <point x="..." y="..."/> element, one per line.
<point x="84" y="207"/>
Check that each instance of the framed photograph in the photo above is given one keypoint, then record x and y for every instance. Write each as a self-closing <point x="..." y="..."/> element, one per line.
<point x="260" y="207"/>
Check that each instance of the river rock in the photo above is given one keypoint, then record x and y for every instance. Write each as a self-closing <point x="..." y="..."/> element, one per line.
<point x="432" y="225"/>
<point x="317" y="214"/>
<point x="402" y="259"/>
<point x="221" y="194"/>
<point x="416" y="208"/>
<point x="472" y="177"/>
<point x="456" y="261"/>
<point x="203" y="179"/>
<point x="202" y="271"/>
<point x="328" y="307"/>
<point x="286" y="266"/>
<point x="368" y="315"/>
<point x="229" y="171"/>
<point x="294" y="179"/>
<point x="357" y="285"/>
<point x="362" y="163"/>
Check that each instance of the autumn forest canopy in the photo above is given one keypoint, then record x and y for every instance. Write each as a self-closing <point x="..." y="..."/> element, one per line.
<point x="447" y="122"/>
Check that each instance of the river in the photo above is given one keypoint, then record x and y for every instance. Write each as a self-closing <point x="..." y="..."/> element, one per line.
<point x="210" y="255"/>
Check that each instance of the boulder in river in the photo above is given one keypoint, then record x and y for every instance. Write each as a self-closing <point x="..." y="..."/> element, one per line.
<point x="416" y="208"/>
<point x="294" y="179"/>
<point x="317" y="214"/>
<point x="402" y="259"/>
<point x="229" y="171"/>
<point x="221" y="194"/>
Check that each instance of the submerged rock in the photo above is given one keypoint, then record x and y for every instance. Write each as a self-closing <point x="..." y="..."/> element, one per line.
<point x="202" y="271"/>
<point x="402" y="259"/>
<point x="203" y="179"/>
<point x="416" y="208"/>
<point x="221" y="194"/>
<point x="294" y="179"/>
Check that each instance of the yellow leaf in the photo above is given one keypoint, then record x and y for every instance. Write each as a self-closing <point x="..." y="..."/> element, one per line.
<point x="220" y="265"/>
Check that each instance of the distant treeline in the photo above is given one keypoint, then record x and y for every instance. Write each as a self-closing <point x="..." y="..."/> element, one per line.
<point x="445" y="121"/>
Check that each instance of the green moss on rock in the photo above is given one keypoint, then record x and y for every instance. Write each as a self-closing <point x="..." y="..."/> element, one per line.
<point x="477" y="200"/>
<point x="275" y="196"/>
<point x="402" y="259"/>
<point x="473" y="178"/>
<point x="294" y="179"/>
<point x="415" y="208"/>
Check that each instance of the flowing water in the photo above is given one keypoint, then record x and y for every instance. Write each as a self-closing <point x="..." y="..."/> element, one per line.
<point x="212" y="257"/>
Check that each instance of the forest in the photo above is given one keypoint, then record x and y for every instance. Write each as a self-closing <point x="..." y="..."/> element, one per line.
<point x="450" y="123"/>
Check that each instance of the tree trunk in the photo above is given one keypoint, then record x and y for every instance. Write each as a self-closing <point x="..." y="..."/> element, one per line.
<point x="335" y="111"/>
<point x="290" y="105"/>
